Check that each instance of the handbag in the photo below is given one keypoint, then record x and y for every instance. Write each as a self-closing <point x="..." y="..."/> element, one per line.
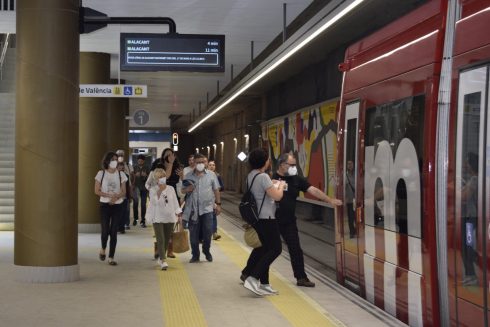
<point x="251" y="237"/>
<point x="180" y="238"/>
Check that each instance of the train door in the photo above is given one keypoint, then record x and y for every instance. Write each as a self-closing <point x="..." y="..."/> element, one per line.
<point x="350" y="230"/>
<point x="472" y="204"/>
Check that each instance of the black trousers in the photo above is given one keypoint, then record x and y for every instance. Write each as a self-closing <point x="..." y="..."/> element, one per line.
<point x="289" y="232"/>
<point x="110" y="215"/>
<point x="261" y="258"/>
<point x="142" y="194"/>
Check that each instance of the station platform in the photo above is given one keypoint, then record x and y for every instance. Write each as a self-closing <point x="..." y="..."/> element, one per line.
<point x="137" y="293"/>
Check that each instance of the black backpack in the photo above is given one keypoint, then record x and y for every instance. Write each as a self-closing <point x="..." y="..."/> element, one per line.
<point x="248" y="205"/>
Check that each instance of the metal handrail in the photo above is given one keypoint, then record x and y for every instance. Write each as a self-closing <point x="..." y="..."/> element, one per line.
<point x="3" y="54"/>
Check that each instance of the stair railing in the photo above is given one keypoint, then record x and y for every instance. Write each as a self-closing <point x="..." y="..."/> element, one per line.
<point x="3" y="54"/>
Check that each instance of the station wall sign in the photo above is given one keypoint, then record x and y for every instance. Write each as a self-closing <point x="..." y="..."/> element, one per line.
<point x="172" y="52"/>
<point x="113" y="91"/>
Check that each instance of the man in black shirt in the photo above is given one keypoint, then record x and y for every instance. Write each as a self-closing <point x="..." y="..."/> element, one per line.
<point x="285" y="212"/>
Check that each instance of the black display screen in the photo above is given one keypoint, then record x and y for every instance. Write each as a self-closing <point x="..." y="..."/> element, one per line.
<point x="172" y="52"/>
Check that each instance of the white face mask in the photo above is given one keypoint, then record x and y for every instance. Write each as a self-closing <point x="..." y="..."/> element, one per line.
<point x="162" y="181"/>
<point x="120" y="159"/>
<point x="113" y="164"/>
<point x="292" y="170"/>
<point x="200" y="167"/>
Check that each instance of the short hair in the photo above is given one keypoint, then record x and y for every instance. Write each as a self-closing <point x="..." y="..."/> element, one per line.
<point x="199" y="156"/>
<point x="159" y="173"/>
<point x="119" y="152"/>
<point x="107" y="159"/>
<point x="283" y="158"/>
<point x="191" y="156"/>
<point x="141" y="156"/>
<point x="257" y="158"/>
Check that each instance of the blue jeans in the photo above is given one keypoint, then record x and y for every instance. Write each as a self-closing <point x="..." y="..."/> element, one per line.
<point x="204" y="221"/>
<point x="215" y="223"/>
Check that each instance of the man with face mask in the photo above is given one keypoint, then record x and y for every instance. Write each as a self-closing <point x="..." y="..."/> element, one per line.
<point x="202" y="199"/>
<point x="285" y="212"/>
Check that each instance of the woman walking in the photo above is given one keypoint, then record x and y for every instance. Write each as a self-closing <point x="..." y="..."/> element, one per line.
<point x="163" y="212"/>
<point x="110" y="186"/>
<point x="265" y="191"/>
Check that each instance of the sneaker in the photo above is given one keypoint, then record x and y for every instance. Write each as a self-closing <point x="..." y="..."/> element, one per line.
<point x="127" y="227"/>
<point x="252" y="284"/>
<point x="243" y="277"/>
<point x="112" y="262"/>
<point x="164" y="265"/>
<point x="193" y="260"/>
<point x="209" y="257"/>
<point x="143" y="225"/>
<point x="470" y="281"/>
<point x="159" y="262"/>
<point x="305" y="282"/>
<point x="267" y="288"/>
<point x="135" y="222"/>
<point x="216" y="236"/>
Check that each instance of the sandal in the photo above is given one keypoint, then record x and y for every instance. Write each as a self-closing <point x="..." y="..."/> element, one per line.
<point x="101" y="256"/>
<point x="112" y="262"/>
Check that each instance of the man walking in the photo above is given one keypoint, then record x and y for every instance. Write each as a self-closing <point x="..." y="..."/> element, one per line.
<point x="141" y="173"/>
<point x="285" y="212"/>
<point x="202" y="200"/>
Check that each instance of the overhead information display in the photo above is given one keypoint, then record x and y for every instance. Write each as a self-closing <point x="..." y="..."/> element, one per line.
<point x="172" y="52"/>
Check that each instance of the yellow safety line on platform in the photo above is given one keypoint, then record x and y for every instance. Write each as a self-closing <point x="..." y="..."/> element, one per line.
<point x="297" y="307"/>
<point x="180" y="305"/>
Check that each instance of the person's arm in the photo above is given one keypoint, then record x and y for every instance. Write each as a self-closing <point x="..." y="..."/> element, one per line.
<point x="217" y="201"/>
<point x="276" y="191"/>
<point x="322" y="196"/>
<point x="98" y="187"/>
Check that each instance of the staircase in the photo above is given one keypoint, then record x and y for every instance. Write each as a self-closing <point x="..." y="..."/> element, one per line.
<point x="7" y="141"/>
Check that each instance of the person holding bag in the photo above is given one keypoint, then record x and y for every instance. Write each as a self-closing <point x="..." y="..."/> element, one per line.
<point x="256" y="274"/>
<point x="163" y="212"/>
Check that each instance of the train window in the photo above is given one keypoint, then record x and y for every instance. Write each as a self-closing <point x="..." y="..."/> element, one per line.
<point x="469" y="179"/>
<point x="387" y="125"/>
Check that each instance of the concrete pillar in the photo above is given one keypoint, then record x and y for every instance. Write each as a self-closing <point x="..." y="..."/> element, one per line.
<point x="46" y="148"/>
<point x="94" y="142"/>
<point x="117" y="130"/>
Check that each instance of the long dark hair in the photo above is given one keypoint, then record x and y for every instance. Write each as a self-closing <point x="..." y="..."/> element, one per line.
<point x="107" y="159"/>
<point x="176" y="163"/>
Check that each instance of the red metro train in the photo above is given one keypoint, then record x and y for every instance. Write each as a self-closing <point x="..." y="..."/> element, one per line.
<point x="421" y="166"/>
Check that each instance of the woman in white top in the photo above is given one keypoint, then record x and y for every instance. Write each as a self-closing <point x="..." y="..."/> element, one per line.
<point x="110" y="185"/>
<point x="163" y="212"/>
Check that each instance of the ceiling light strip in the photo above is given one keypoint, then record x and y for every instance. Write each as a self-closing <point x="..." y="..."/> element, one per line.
<point x="279" y="61"/>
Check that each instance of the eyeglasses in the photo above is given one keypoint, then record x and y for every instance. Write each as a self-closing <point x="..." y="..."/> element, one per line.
<point x="166" y="199"/>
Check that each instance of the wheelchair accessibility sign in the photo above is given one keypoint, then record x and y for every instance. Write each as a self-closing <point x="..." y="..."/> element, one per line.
<point x="113" y="91"/>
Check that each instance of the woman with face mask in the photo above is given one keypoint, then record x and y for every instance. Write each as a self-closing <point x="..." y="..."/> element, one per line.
<point x="163" y="212"/>
<point x="173" y="172"/>
<point x="110" y="186"/>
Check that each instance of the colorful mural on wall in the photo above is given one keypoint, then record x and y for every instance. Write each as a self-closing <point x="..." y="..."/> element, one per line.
<point x="311" y="134"/>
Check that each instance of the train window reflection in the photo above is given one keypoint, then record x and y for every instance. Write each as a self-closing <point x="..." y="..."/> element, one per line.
<point x="387" y="125"/>
<point x="469" y="186"/>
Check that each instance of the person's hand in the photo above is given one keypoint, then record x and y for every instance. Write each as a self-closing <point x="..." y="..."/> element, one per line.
<point x="190" y="188"/>
<point x="179" y="172"/>
<point x="143" y="173"/>
<point x="282" y="185"/>
<point x="336" y="202"/>
<point x="217" y="209"/>
<point x="137" y="174"/>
